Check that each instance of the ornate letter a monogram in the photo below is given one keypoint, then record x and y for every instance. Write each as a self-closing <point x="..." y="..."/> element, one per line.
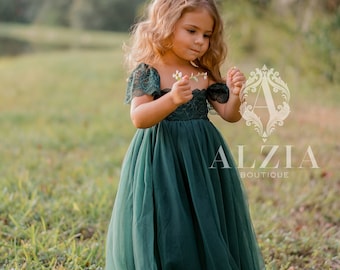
<point x="271" y="85"/>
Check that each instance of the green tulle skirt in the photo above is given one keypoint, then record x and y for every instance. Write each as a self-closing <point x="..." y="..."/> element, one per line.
<point x="177" y="207"/>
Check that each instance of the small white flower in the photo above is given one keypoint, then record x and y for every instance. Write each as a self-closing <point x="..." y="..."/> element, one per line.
<point x="193" y="77"/>
<point x="178" y="76"/>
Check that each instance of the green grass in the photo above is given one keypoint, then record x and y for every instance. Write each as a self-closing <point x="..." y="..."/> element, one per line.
<point x="44" y="36"/>
<point x="64" y="131"/>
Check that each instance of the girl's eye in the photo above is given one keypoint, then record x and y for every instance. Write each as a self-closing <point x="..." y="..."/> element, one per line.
<point x="191" y="31"/>
<point x="207" y="36"/>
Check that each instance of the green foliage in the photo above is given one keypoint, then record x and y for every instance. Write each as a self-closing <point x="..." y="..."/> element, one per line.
<point x="117" y="15"/>
<point x="19" y="10"/>
<point x="270" y="34"/>
<point x="53" y="12"/>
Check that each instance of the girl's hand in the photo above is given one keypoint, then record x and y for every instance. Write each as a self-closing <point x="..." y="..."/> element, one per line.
<point x="235" y="80"/>
<point x="181" y="91"/>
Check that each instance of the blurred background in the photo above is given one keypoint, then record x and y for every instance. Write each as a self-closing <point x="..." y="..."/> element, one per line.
<point x="251" y="23"/>
<point x="64" y="129"/>
<point x="115" y="15"/>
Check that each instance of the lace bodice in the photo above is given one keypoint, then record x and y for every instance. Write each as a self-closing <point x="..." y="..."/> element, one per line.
<point x="145" y="80"/>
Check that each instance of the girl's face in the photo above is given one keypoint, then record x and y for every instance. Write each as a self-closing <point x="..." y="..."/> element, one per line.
<point x="191" y="36"/>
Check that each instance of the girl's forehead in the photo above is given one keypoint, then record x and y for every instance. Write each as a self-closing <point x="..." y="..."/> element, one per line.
<point x="200" y="18"/>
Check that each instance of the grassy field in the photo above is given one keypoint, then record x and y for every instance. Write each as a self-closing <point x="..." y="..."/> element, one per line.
<point x="64" y="131"/>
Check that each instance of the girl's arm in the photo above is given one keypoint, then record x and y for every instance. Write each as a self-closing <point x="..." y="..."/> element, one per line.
<point x="229" y="111"/>
<point x="146" y="112"/>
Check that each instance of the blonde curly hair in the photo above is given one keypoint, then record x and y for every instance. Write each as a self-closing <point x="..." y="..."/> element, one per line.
<point x="151" y="37"/>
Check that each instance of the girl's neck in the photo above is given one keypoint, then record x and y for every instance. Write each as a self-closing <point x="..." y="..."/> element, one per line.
<point x="172" y="61"/>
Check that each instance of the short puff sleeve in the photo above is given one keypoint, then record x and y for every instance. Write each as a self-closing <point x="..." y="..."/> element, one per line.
<point x="144" y="80"/>
<point x="218" y="92"/>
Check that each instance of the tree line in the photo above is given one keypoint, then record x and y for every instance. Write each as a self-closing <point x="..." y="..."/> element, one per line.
<point x="117" y="15"/>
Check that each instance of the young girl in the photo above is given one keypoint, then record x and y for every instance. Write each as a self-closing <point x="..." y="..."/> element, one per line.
<point x="178" y="207"/>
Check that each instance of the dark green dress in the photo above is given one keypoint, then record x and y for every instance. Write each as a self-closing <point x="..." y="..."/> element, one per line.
<point x="177" y="207"/>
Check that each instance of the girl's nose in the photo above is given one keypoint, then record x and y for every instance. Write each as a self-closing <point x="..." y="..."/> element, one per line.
<point x="199" y="40"/>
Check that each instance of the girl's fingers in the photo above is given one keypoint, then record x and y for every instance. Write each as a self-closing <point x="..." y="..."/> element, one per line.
<point x="233" y="71"/>
<point x="238" y="81"/>
<point x="237" y="76"/>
